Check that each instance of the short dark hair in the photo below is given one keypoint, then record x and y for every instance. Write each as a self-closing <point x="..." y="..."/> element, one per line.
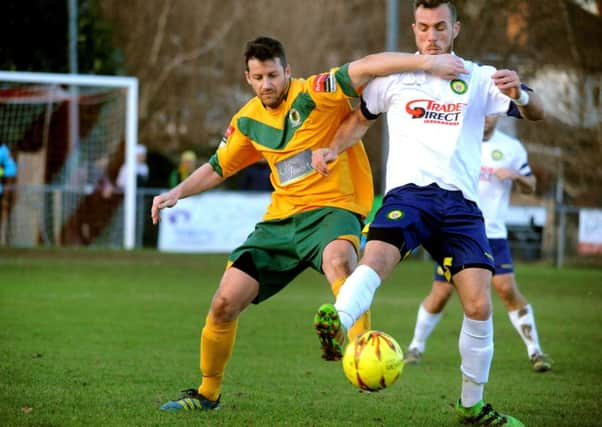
<point x="431" y="4"/>
<point x="264" y="49"/>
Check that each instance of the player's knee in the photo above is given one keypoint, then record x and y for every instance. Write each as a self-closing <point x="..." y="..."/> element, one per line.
<point x="478" y="309"/>
<point x="223" y="308"/>
<point x="338" y="263"/>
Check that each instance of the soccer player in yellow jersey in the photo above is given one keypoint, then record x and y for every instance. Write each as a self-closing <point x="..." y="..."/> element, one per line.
<point x="311" y="221"/>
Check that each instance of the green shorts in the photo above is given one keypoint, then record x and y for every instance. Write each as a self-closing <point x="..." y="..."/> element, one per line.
<point x="281" y="249"/>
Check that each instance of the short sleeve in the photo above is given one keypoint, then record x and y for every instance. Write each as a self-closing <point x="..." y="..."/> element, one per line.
<point x="497" y="102"/>
<point x="375" y="98"/>
<point x="332" y="88"/>
<point x="234" y="153"/>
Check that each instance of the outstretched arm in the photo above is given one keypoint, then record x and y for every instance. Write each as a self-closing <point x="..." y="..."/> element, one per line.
<point x="202" y="179"/>
<point x="446" y="66"/>
<point x="526" y="184"/>
<point x="529" y="104"/>
<point x="351" y="131"/>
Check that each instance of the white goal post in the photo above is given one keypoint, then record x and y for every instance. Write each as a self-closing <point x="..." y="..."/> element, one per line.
<point x="76" y="82"/>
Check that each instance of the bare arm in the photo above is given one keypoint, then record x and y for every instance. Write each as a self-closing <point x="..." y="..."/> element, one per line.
<point x="526" y="184"/>
<point x="202" y="179"/>
<point x="509" y="84"/>
<point x="446" y="66"/>
<point x="350" y="132"/>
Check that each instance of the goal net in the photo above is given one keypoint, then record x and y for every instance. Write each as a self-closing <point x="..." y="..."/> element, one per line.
<point x="69" y="136"/>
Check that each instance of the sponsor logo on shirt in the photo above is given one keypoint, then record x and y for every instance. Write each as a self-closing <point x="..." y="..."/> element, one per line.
<point x="294" y="168"/>
<point x="227" y="134"/>
<point x="325" y="82"/>
<point x="486" y="173"/>
<point x="433" y="112"/>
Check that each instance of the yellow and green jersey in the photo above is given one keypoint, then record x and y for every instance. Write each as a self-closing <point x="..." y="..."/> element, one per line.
<point x="306" y="120"/>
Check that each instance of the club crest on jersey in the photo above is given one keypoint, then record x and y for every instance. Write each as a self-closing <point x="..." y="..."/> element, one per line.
<point x="294" y="117"/>
<point x="458" y="86"/>
<point x="395" y="214"/>
<point x="325" y="82"/>
<point x="497" y="155"/>
<point x="433" y="112"/>
<point x="227" y="134"/>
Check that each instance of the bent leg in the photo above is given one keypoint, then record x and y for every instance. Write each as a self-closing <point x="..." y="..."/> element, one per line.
<point x="355" y="297"/>
<point x="236" y="291"/>
<point x="339" y="259"/>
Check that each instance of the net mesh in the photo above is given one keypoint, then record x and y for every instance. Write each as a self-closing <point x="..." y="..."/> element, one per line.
<point x="68" y="143"/>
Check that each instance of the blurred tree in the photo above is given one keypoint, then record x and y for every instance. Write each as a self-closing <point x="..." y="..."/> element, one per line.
<point x="188" y="56"/>
<point x="34" y="36"/>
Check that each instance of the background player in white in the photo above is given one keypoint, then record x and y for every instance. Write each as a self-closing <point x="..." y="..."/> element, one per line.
<point x="435" y="130"/>
<point x="504" y="161"/>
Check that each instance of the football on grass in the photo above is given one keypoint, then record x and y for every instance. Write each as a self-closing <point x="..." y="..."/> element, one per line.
<point x="373" y="361"/>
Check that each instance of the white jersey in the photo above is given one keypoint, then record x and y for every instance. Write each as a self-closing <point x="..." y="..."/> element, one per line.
<point x="435" y="126"/>
<point x="500" y="151"/>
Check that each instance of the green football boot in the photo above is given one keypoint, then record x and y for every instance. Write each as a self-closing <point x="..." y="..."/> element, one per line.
<point x="483" y="414"/>
<point x="330" y="332"/>
<point x="191" y="400"/>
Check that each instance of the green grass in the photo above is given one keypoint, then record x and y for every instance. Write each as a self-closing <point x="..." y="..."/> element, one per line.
<point x="104" y="338"/>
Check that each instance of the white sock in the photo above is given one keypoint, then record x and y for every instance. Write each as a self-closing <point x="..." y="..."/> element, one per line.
<point x="523" y="321"/>
<point x="355" y="296"/>
<point x="425" y="323"/>
<point x="476" y="350"/>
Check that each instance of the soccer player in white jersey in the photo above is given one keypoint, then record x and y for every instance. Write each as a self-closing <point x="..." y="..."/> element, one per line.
<point x="503" y="161"/>
<point x="435" y="132"/>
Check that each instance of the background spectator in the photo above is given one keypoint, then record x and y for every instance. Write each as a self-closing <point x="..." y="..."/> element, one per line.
<point x="188" y="163"/>
<point x="8" y="170"/>
<point x="141" y="169"/>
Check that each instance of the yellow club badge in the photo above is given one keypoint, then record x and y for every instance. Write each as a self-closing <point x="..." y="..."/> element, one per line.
<point x="458" y="86"/>
<point x="395" y="214"/>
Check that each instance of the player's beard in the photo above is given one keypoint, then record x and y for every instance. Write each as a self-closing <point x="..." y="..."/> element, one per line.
<point x="280" y="98"/>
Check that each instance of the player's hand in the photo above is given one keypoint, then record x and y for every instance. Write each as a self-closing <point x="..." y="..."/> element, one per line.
<point x="505" y="173"/>
<point x="320" y="159"/>
<point x="165" y="200"/>
<point x="507" y="82"/>
<point x="446" y="66"/>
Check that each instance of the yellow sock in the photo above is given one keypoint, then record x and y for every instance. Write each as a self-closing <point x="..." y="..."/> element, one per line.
<point x="217" y="342"/>
<point x="362" y="324"/>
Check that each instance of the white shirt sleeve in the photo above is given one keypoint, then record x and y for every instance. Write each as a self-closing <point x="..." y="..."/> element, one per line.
<point x="497" y="102"/>
<point x="376" y="95"/>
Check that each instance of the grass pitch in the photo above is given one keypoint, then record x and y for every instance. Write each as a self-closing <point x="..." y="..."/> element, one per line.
<point x="104" y="338"/>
